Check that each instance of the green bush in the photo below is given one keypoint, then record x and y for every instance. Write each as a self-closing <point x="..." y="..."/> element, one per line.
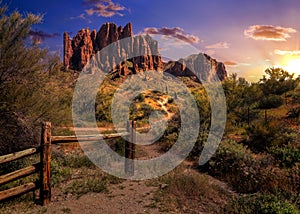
<point x="81" y="187"/>
<point x="235" y="164"/>
<point x="59" y="173"/>
<point x="285" y="156"/>
<point x="270" y="101"/>
<point x="258" y="203"/>
<point x="119" y="146"/>
<point x="293" y="113"/>
<point x="261" y="137"/>
<point x="77" y="161"/>
<point x="242" y="115"/>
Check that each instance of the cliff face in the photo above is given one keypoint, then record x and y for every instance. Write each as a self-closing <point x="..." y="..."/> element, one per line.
<point x="201" y="64"/>
<point x="85" y="44"/>
<point x="79" y="50"/>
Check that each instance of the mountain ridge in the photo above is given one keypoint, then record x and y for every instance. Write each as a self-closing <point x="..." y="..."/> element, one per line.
<point x="86" y="44"/>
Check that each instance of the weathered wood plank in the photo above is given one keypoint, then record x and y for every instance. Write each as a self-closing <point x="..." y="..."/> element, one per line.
<point x="130" y="148"/>
<point x="45" y="188"/>
<point x="17" y="191"/>
<point x="18" y="174"/>
<point x="62" y="139"/>
<point x="17" y="155"/>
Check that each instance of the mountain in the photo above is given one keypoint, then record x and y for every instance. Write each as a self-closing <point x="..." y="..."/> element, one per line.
<point x="200" y="64"/>
<point x="85" y="44"/>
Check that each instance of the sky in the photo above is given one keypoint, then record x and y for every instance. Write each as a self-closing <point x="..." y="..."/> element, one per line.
<point x="247" y="36"/>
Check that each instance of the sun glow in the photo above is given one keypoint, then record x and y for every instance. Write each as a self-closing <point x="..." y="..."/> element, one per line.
<point x="293" y="66"/>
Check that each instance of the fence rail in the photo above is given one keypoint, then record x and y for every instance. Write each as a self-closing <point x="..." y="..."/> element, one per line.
<point x="17" y="155"/>
<point x="129" y="145"/>
<point x="43" y="167"/>
<point x="72" y="138"/>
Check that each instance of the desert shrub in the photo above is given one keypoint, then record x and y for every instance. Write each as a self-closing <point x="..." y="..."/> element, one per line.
<point x="140" y="97"/>
<point x="270" y="101"/>
<point x="58" y="173"/>
<point x="119" y="146"/>
<point x="242" y="114"/>
<point x="199" y="144"/>
<point x="77" y="161"/>
<point x="81" y="187"/>
<point x="169" y="140"/>
<point x="235" y="164"/>
<point x="260" y="203"/>
<point x="16" y="133"/>
<point x="274" y="180"/>
<point x="264" y="136"/>
<point x="293" y="113"/>
<point x="190" y="192"/>
<point x="296" y="94"/>
<point x="140" y="112"/>
<point x="286" y="156"/>
<point x="170" y="135"/>
<point x="296" y="98"/>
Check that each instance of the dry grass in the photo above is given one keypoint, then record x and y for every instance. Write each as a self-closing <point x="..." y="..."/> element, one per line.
<point x="185" y="190"/>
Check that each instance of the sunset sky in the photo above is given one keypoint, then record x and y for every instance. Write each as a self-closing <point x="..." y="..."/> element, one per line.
<point x="248" y="36"/>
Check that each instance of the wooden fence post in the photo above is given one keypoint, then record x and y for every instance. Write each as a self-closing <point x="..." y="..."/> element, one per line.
<point x="130" y="148"/>
<point x="45" y="189"/>
<point x="133" y="142"/>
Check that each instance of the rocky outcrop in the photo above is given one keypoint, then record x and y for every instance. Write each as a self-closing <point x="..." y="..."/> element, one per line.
<point x="68" y="50"/>
<point x="197" y="65"/>
<point x="79" y="50"/>
<point x="86" y="44"/>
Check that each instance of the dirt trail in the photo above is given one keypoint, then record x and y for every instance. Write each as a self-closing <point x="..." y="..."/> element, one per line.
<point x="127" y="197"/>
<point x="165" y="108"/>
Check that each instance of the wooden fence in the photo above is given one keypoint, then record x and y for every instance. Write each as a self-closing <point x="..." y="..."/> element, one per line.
<point x="43" y="167"/>
<point x="129" y="145"/>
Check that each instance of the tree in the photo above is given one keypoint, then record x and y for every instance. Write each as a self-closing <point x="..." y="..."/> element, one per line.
<point x="277" y="81"/>
<point x="32" y="86"/>
<point x="19" y="59"/>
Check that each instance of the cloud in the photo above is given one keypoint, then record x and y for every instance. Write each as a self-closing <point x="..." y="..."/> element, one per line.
<point x="268" y="32"/>
<point x="175" y="32"/>
<point x="81" y="16"/>
<point x="218" y="45"/>
<point x="210" y="52"/>
<point x="39" y="36"/>
<point x="235" y="64"/>
<point x="282" y="52"/>
<point x="105" y="8"/>
<point x="230" y="63"/>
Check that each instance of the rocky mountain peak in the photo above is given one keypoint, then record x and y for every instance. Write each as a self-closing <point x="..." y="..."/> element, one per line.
<point x="85" y="44"/>
<point x="197" y="65"/>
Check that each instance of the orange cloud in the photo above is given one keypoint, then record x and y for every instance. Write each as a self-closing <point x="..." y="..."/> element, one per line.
<point x="218" y="45"/>
<point x="105" y="8"/>
<point x="175" y="32"/>
<point x="268" y="32"/>
<point x="230" y="63"/>
<point x="235" y="64"/>
<point x="282" y="52"/>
